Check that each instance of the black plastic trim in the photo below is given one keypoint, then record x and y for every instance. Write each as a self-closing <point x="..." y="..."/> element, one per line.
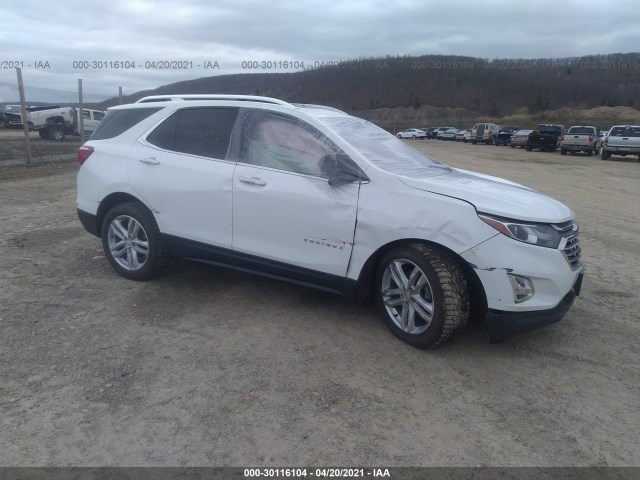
<point x="502" y="325"/>
<point x="89" y="222"/>
<point x="224" y="257"/>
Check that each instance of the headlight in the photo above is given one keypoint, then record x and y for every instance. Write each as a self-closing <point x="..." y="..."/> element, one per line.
<point x="533" y="233"/>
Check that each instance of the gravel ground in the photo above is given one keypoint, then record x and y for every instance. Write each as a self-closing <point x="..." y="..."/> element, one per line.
<point x="205" y="366"/>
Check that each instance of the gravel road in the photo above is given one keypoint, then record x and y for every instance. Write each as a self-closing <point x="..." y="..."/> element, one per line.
<point x="205" y="366"/>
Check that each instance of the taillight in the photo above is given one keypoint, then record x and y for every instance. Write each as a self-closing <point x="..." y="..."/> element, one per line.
<point x="84" y="153"/>
<point x="606" y="140"/>
<point x="562" y="138"/>
<point x="590" y="138"/>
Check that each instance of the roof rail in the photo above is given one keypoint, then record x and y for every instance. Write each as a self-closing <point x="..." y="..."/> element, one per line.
<point x="245" y="98"/>
<point x="311" y="105"/>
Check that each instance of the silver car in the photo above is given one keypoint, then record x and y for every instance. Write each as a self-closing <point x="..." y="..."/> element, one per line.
<point x="520" y="138"/>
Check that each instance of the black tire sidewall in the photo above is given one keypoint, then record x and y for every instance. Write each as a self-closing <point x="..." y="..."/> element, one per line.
<point x="434" y="332"/>
<point x="151" y="266"/>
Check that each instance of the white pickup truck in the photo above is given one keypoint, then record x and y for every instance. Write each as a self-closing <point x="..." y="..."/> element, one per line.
<point x="56" y="123"/>
<point x="581" y="139"/>
<point x="622" y="140"/>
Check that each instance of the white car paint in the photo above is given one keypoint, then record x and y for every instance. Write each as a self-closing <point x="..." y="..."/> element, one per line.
<point x="306" y="222"/>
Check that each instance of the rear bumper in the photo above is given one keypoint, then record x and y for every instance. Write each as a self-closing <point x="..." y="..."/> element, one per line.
<point x="576" y="148"/>
<point x="88" y="221"/>
<point x="622" y="150"/>
<point x="501" y="324"/>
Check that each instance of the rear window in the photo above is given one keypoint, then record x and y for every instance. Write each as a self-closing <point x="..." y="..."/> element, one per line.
<point x="117" y="122"/>
<point x="627" y="131"/>
<point x="582" y="131"/>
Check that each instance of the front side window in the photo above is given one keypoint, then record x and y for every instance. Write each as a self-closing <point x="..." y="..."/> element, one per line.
<point x="283" y="143"/>
<point x="198" y="131"/>
<point x="98" y="115"/>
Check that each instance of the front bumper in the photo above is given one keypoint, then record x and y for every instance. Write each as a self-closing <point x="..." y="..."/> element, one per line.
<point x="501" y="325"/>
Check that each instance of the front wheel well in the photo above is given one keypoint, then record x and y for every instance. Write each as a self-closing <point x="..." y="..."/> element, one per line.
<point x="365" y="286"/>
<point x="111" y="201"/>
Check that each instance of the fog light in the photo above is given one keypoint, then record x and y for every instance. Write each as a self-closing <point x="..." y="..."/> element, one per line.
<point x="522" y="288"/>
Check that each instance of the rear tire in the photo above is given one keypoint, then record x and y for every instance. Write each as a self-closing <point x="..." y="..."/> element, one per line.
<point x="590" y="152"/>
<point x="563" y="151"/>
<point x="422" y="294"/>
<point x="43" y="134"/>
<point x="132" y="242"/>
<point x="529" y="149"/>
<point x="605" y="155"/>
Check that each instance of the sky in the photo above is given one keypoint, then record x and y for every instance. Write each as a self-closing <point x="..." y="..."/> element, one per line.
<point x="57" y="43"/>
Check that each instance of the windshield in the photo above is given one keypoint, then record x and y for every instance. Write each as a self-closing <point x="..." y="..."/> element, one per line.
<point x="384" y="150"/>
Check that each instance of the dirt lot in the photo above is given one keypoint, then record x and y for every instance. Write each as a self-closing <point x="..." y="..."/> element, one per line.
<point x="205" y="366"/>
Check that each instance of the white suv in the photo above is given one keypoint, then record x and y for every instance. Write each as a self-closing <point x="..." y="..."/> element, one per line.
<point x="312" y="195"/>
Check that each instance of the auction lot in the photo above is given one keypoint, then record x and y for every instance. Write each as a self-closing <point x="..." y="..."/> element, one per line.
<point x="205" y="366"/>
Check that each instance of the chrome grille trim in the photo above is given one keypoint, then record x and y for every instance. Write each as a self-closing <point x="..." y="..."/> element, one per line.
<point x="571" y="245"/>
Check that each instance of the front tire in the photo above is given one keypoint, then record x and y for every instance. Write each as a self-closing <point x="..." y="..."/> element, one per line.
<point x="56" y="134"/>
<point x="132" y="242"/>
<point x="422" y="294"/>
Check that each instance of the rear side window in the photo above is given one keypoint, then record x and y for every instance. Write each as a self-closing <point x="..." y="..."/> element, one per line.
<point x="199" y="131"/>
<point x="628" y="131"/>
<point x="117" y="122"/>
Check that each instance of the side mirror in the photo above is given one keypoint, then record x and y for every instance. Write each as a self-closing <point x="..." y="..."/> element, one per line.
<point x="340" y="170"/>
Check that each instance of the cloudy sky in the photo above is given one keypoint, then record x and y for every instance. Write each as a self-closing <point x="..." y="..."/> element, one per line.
<point x="48" y="37"/>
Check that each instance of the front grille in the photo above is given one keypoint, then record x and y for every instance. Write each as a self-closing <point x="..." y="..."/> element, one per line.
<point x="571" y="244"/>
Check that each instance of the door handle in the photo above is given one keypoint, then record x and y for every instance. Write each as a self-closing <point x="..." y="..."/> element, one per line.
<point x="253" y="181"/>
<point x="150" y="161"/>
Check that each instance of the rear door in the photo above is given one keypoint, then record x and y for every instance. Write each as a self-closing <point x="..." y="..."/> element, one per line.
<point x="287" y="220"/>
<point x="182" y="171"/>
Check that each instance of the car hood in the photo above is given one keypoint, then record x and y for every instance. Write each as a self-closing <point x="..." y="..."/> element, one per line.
<point x="495" y="196"/>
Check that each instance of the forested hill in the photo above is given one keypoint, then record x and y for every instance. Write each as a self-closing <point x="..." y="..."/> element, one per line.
<point x="489" y="87"/>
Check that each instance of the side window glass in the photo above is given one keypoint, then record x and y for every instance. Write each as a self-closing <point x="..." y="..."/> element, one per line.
<point x="86" y="114"/>
<point x="204" y="131"/>
<point x="163" y="134"/>
<point x="283" y="143"/>
<point x="201" y="131"/>
<point x="98" y="116"/>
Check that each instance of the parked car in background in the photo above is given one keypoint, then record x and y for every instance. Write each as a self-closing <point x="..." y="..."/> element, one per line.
<point x="314" y="196"/>
<point x="427" y="131"/>
<point x="603" y="134"/>
<point x="484" y="132"/>
<point x="412" y="133"/>
<point x="441" y="131"/>
<point x="57" y="122"/>
<point x="504" y="136"/>
<point x="449" y="134"/>
<point x="580" y="138"/>
<point x="546" y="137"/>
<point x="462" y="135"/>
<point x="622" y="140"/>
<point x="520" y="138"/>
<point x="12" y="117"/>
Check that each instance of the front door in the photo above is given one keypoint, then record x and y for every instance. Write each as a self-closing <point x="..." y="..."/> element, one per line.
<point x="287" y="219"/>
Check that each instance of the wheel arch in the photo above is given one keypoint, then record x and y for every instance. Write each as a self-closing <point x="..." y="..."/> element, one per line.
<point x="365" y="283"/>
<point x="111" y="201"/>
